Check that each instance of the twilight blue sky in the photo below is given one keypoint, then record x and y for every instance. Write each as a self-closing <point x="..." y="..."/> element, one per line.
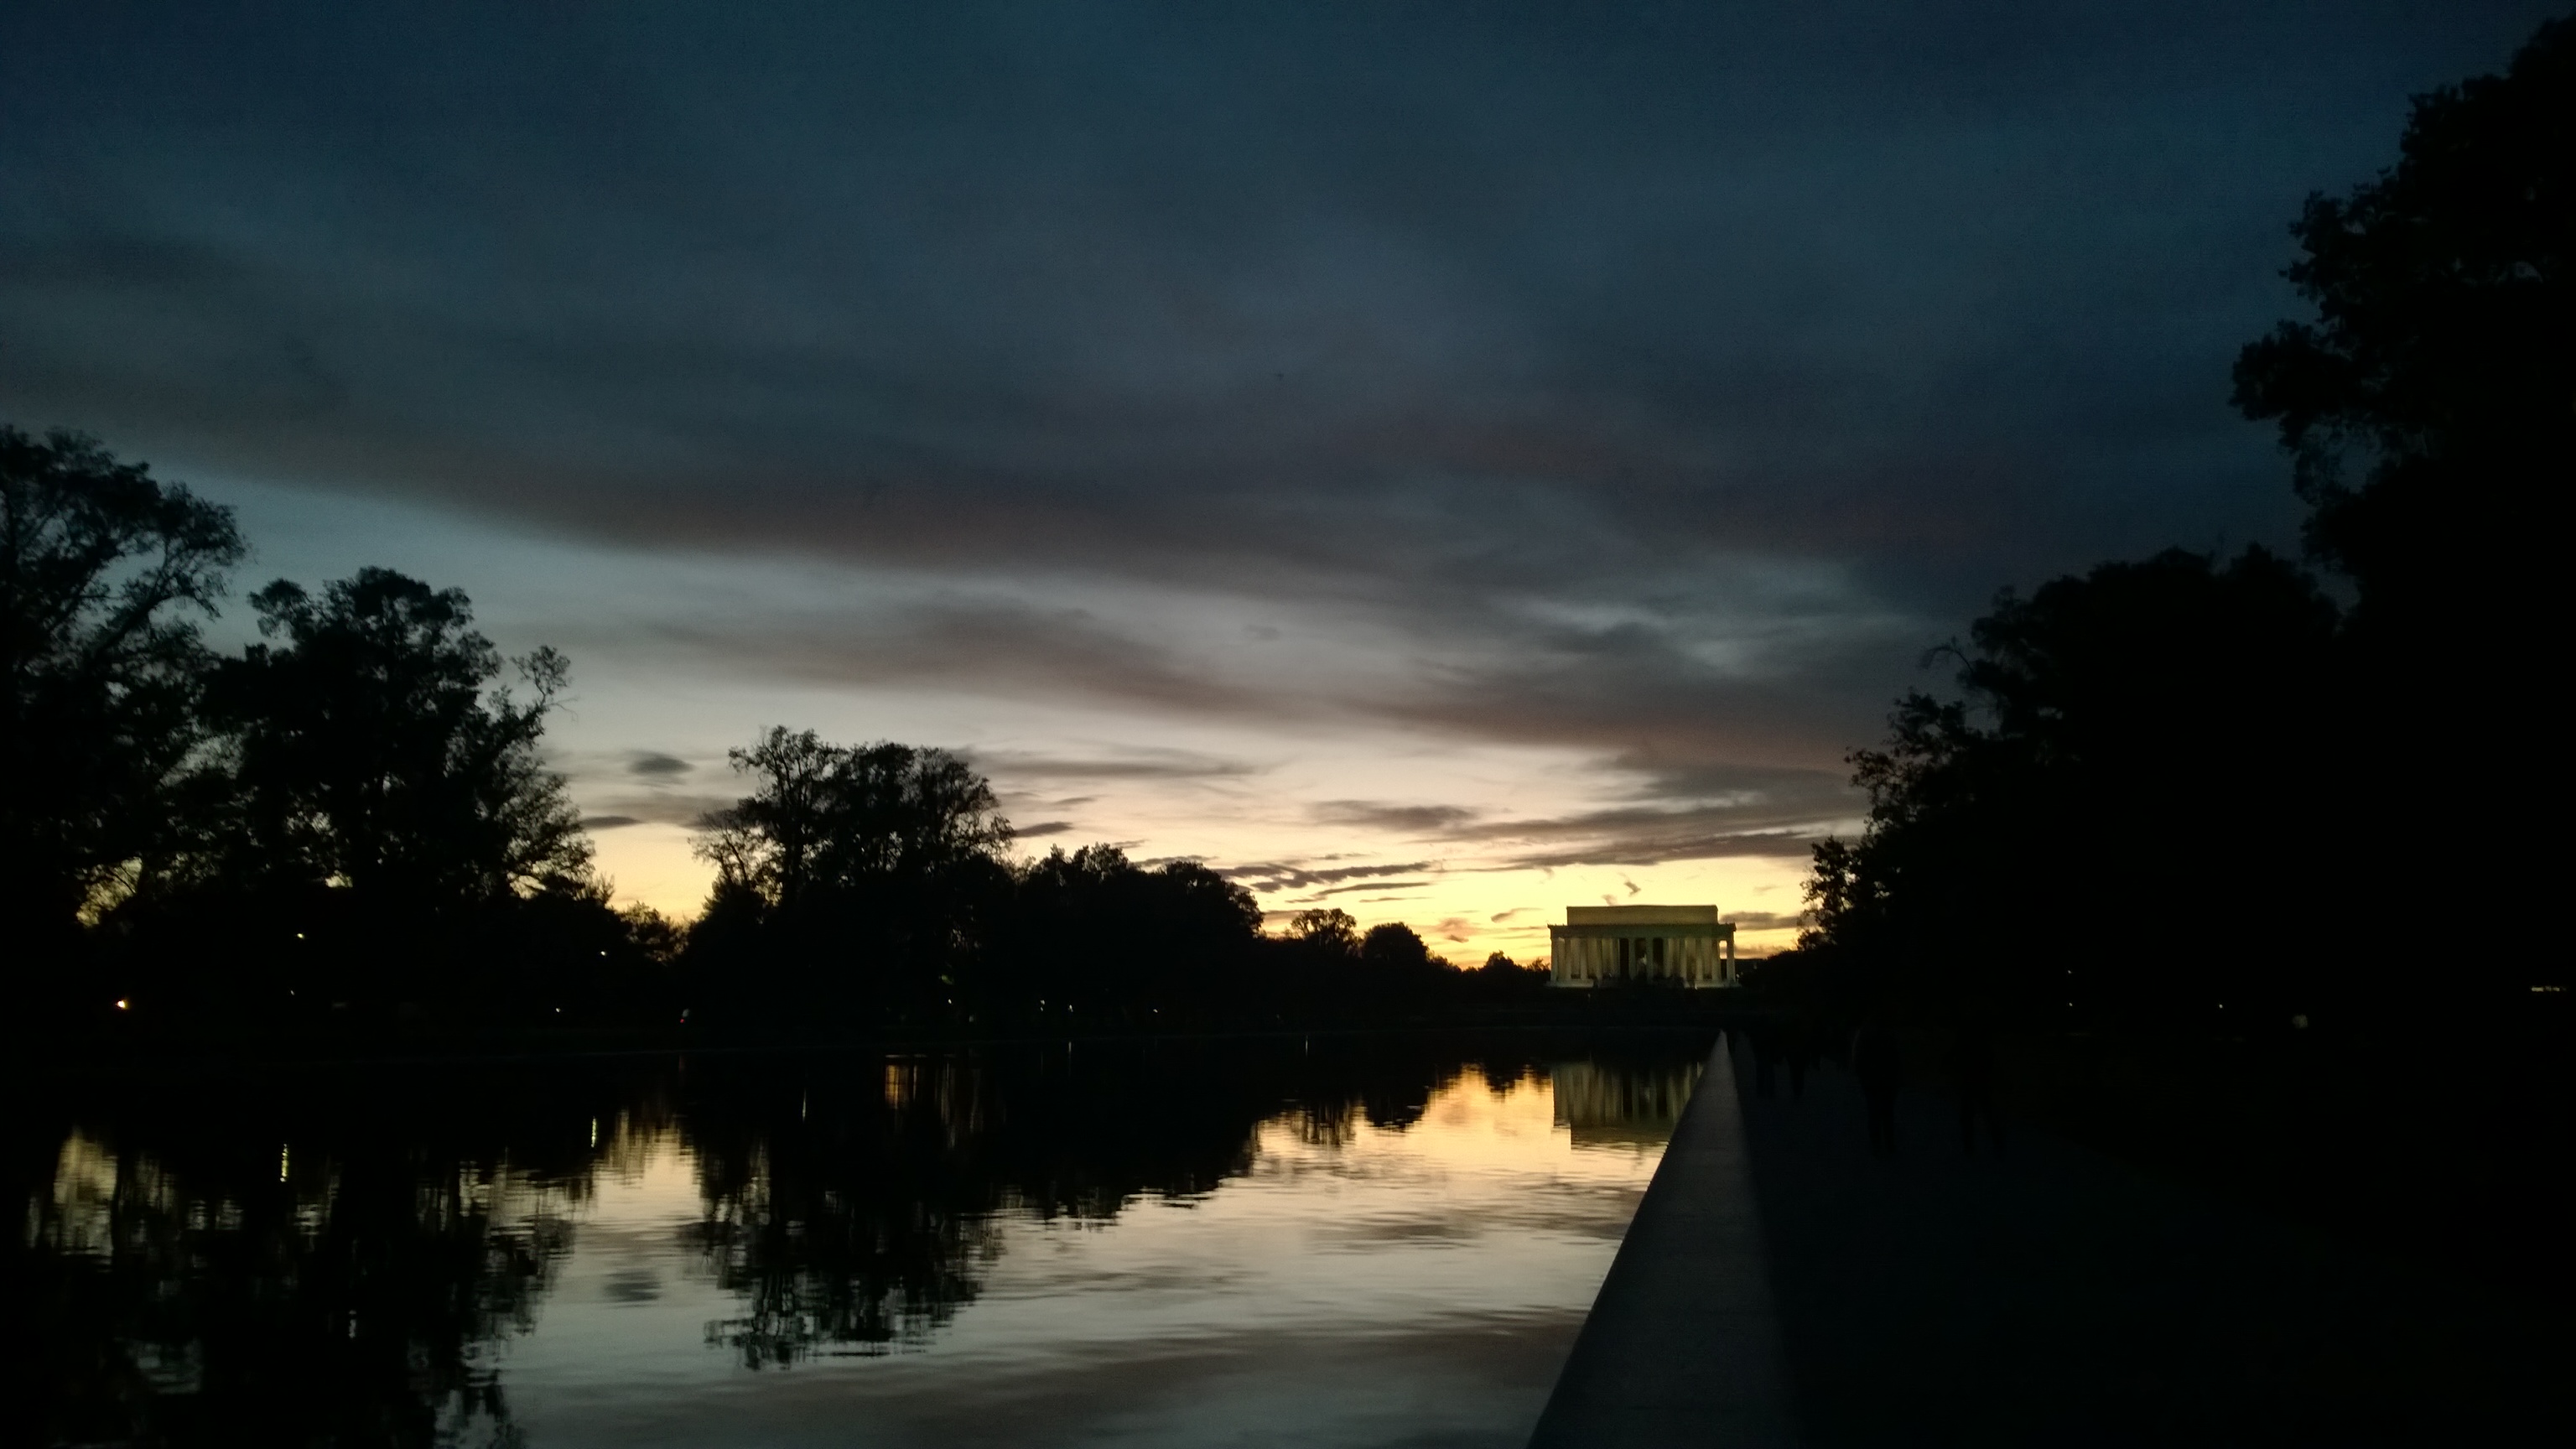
<point x="1445" y="460"/>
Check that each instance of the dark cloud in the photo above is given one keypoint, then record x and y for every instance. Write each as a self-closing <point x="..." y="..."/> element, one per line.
<point x="1765" y="920"/>
<point x="657" y="766"/>
<point x="1375" y="885"/>
<point x="990" y="644"/>
<point x="1042" y="828"/>
<point x="1374" y="815"/>
<point x="658" y="807"/>
<point x="1723" y="811"/>
<point x="1657" y="380"/>
<point x="1646" y="847"/>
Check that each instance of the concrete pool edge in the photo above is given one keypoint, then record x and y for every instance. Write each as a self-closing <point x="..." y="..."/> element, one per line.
<point x="1683" y="1343"/>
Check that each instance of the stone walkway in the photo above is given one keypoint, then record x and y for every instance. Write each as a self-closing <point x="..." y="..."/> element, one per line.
<point x="1780" y="1285"/>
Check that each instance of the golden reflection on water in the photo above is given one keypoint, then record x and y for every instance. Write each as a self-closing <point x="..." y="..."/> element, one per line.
<point x="1354" y="1282"/>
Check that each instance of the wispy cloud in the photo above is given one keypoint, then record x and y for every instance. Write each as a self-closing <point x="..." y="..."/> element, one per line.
<point x="1129" y="764"/>
<point x="1271" y="876"/>
<point x="1391" y="885"/>
<point x="1738" y="811"/>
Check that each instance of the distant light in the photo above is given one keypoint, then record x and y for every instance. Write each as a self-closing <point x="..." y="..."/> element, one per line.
<point x="2300" y="1021"/>
<point x="2549" y="988"/>
<point x="603" y="953"/>
<point x="122" y="1003"/>
<point x="299" y="935"/>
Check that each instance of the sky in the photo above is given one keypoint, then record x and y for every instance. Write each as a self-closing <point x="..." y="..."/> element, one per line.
<point x="1449" y="462"/>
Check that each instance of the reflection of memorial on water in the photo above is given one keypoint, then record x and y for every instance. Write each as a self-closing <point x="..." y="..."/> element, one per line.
<point x="1624" y="1103"/>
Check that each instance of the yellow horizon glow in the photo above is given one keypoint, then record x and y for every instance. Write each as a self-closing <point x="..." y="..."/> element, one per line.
<point x="1464" y="913"/>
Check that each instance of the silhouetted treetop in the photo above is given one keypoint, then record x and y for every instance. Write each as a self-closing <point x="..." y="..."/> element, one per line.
<point x="101" y="570"/>
<point x="825" y="818"/>
<point x="2444" y="306"/>
<point x="1326" y="928"/>
<point x="375" y="750"/>
<point x="1395" y="946"/>
<point x="2024" y="836"/>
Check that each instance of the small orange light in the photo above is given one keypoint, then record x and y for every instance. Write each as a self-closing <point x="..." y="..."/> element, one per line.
<point x="121" y="1003"/>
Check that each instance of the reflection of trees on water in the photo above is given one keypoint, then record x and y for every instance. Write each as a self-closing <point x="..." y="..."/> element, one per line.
<point x="198" y="1269"/>
<point x="843" y="1202"/>
<point x="337" y="1261"/>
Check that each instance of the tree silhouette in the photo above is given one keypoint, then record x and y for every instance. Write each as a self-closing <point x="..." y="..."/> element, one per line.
<point x="2439" y="359"/>
<point x="2051" y="835"/>
<point x="2172" y="752"/>
<point x="2431" y="411"/>
<point x="375" y="753"/>
<point x="834" y="819"/>
<point x="102" y="574"/>
<point x="387" y="835"/>
<point x="1325" y="929"/>
<point x="864" y="872"/>
<point x="1093" y="935"/>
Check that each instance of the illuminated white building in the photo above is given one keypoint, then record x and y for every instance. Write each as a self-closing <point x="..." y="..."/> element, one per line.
<point x="1685" y="945"/>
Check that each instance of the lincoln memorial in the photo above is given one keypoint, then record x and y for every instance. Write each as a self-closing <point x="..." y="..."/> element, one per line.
<point x="1685" y="945"/>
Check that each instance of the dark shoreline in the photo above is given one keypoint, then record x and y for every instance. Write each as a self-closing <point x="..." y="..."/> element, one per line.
<point x="122" y="1054"/>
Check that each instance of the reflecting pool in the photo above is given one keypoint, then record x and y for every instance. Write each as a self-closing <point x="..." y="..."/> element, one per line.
<point x="1309" y="1242"/>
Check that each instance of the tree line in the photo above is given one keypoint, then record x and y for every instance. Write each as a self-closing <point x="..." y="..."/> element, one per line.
<point x="2194" y="789"/>
<point x="873" y="883"/>
<point x="352" y="820"/>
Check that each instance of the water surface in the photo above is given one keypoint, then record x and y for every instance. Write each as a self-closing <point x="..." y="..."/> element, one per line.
<point x="1276" y="1242"/>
